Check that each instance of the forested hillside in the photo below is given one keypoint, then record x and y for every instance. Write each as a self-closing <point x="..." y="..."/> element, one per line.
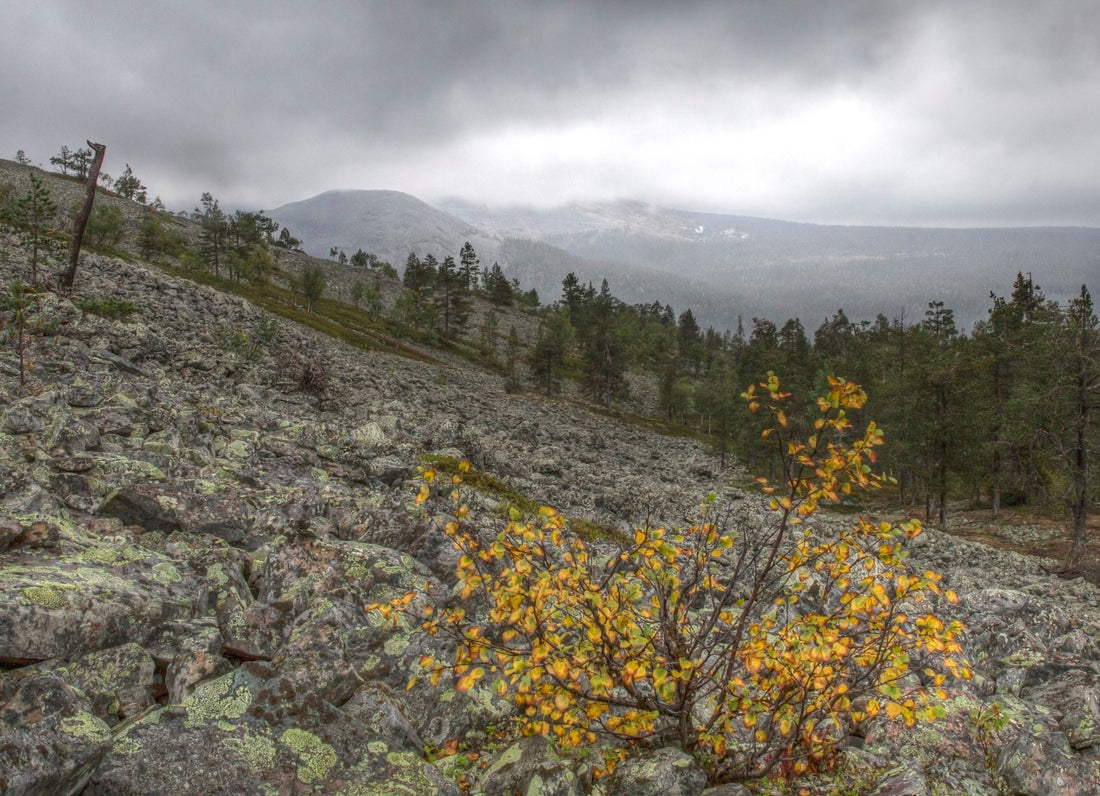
<point x="273" y="523"/>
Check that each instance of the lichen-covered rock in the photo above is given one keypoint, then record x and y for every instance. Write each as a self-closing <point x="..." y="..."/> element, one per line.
<point x="88" y="593"/>
<point x="175" y="507"/>
<point x="248" y="732"/>
<point x="377" y="709"/>
<point x="955" y="752"/>
<point x="664" y="772"/>
<point x="315" y="657"/>
<point x="250" y="630"/>
<point x="442" y="713"/>
<point x="26" y="415"/>
<point x="1037" y="765"/>
<point x="119" y="681"/>
<point x="727" y="789"/>
<point x="68" y="434"/>
<point x="188" y="652"/>
<point x="49" y="738"/>
<point x="143" y="505"/>
<point x="529" y="767"/>
<point x="905" y="781"/>
<point x="1075" y="696"/>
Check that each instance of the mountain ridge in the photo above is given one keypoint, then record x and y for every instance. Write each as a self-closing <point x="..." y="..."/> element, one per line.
<point x="727" y="268"/>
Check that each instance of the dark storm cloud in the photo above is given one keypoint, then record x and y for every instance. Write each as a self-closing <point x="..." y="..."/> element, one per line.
<point x="899" y="112"/>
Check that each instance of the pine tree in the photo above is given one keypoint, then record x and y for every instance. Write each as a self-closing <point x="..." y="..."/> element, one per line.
<point x="213" y="233"/>
<point x="130" y="187"/>
<point x="468" y="267"/>
<point x="313" y="285"/>
<point x="288" y="241"/>
<point x="81" y="161"/>
<point x="358" y="290"/>
<point x="605" y="336"/>
<point x="690" y="341"/>
<point x="572" y="297"/>
<point x="511" y="356"/>
<point x="35" y="214"/>
<point x="451" y="300"/>
<point x="419" y="277"/>
<point x="498" y="287"/>
<point x="1081" y="335"/>
<point x="63" y="160"/>
<point x="548" y="354"/>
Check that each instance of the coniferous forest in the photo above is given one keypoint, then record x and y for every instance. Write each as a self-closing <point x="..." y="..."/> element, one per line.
<point x="1002" y="415"/>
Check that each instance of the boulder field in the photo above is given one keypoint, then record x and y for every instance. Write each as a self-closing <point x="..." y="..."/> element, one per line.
<point x="190" y="532"/>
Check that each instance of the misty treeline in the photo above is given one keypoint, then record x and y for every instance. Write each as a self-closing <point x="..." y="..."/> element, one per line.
<point x="1001" y="416"/>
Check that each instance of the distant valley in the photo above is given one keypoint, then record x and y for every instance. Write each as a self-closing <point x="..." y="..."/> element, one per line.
<point x="724" y="267"/>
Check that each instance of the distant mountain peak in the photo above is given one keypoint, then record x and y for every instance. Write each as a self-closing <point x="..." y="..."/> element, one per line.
<point x="724" y="267"/>
<point x="388" y="223"/>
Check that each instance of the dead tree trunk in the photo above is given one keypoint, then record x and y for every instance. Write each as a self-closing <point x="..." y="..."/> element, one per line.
<point x="66" y="282"/>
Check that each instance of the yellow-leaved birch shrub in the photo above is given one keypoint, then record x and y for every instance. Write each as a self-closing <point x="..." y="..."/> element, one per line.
<point x="756" y="649"/>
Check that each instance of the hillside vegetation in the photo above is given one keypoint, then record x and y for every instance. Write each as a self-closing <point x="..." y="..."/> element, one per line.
<point x="246" y="495"/>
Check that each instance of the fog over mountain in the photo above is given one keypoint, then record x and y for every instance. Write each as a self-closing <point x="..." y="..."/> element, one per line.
<point x="388" y="223"/>
<point x="724" y="267"/>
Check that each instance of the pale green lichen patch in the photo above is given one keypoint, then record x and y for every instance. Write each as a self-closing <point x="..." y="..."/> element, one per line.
<point x="216" y="700"/>
<point x="217" y="576"/>
<point x="166" y="573"/>
<point x="46" y="596"/>
<point x="112" y="556"/>
<point x="168" y="502"/>
<point x="257" y="751"/>
<point x="125" y="746"/>
<point x="86" y="726"/>
<point x="377" y="747"/>
<point x="406" y="775"/>
<point x="1023" y="659"/>
<point x="403" y="759"/>
<point x="238" y="449"/>
<point x="487" y="702"/>
<point x="317" y="757"/>
<point x="509" y="756"/>
<point x="396" y="644"/>
<point x="357" y="569"/>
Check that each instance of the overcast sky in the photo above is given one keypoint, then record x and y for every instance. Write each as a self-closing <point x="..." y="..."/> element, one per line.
<point x="914" y="113"/>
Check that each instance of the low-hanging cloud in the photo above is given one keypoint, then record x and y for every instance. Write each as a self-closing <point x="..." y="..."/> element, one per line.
<point x="851" y="112"/>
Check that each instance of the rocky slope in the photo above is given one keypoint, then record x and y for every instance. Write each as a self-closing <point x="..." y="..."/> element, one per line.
<point x="192" y="522"/>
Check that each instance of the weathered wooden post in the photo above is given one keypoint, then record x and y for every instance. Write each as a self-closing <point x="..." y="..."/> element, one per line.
<point x="66" y="282"/>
